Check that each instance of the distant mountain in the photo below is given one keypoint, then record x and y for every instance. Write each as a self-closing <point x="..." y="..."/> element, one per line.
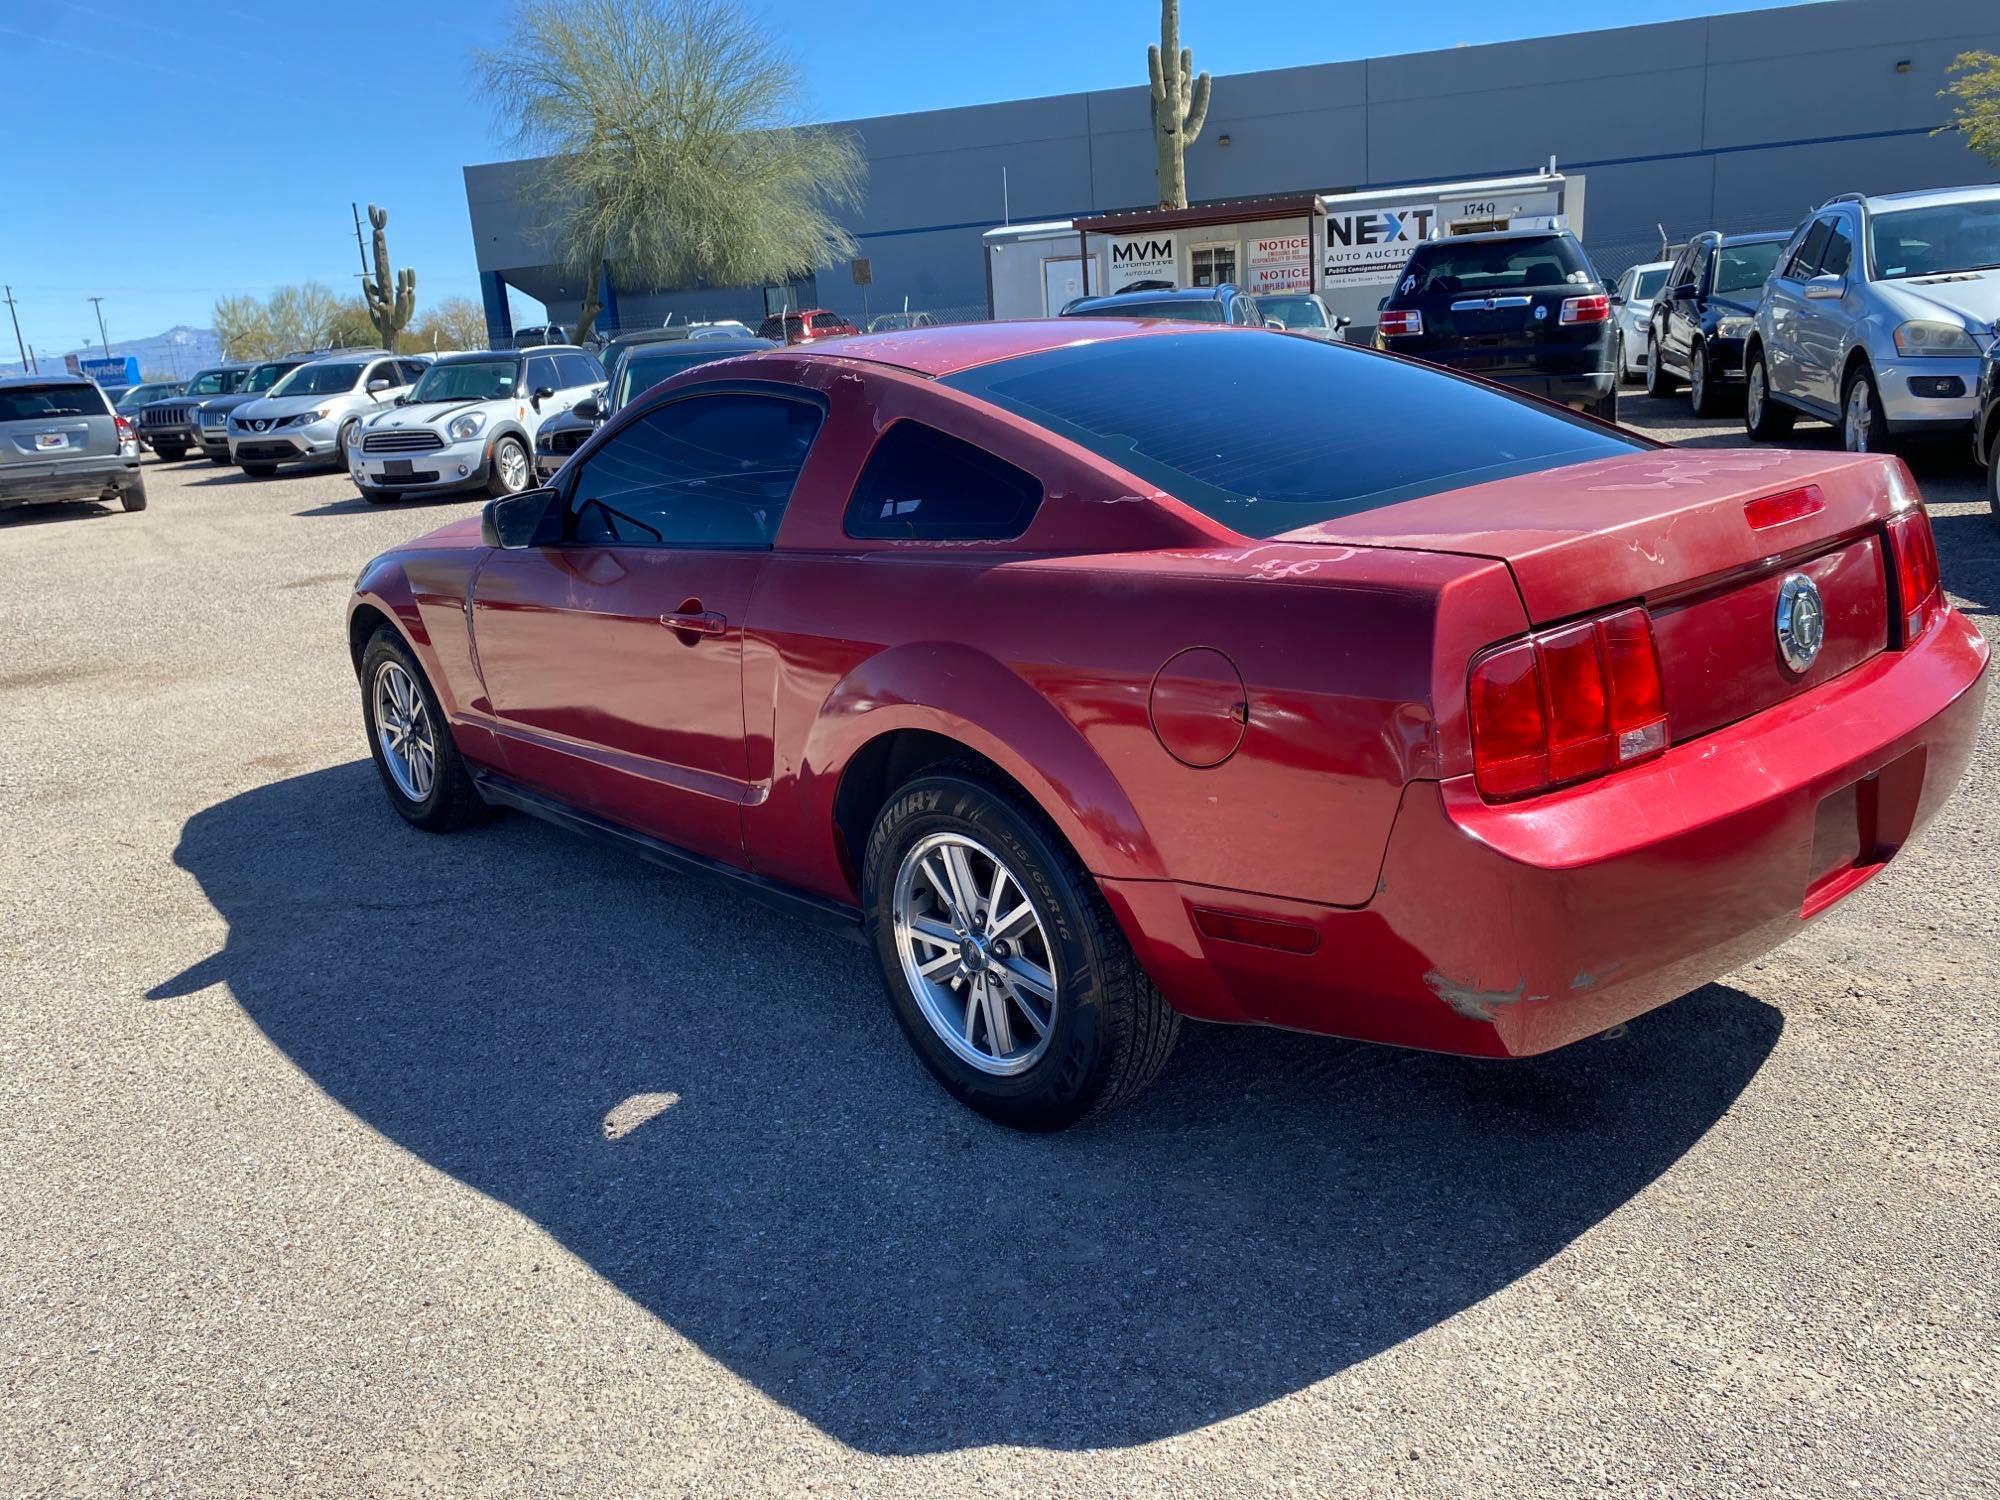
<point x="178" y="351"/>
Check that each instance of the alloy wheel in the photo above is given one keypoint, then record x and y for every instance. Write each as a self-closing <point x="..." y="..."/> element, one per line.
<point x="404" y="732"/>
<point x="1858" y="420"/>
<point x="975" y="953"/>
<point x="1697" y="379"/>
<point x="513" y="466"/>
<point x="1753" y="396"/>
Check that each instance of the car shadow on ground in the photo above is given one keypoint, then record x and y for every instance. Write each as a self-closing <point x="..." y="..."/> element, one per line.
<point x="711" y="1106"/>
<point x="14" y="516"/>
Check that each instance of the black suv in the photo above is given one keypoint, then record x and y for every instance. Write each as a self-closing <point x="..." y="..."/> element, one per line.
<point x="1704" y="311"/>
<point x="1194" y="304"/>
<point x="1519" y="306"/>
<point x="168" y="426"/>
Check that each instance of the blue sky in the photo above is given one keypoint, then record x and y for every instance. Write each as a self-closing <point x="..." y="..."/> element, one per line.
<point x="162" y="154"/>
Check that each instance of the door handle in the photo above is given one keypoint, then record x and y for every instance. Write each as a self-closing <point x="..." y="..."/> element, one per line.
<point x="694" y="622"/>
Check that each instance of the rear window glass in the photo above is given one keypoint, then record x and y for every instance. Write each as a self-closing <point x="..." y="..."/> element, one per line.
<point x="1190" y="311"/>
<point x="1494" y="265"/>
<point x="920" y="484"/>
<point x="30" y="403"/>
<point x="781" y="328"/>
<point x="1267" y="434"/>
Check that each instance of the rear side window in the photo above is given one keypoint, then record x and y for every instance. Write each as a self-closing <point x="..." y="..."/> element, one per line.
<point x="1495" y="265"/>
<point x="31" y="403"/>
<point x="1194" y="414"/>
<point x="707" y="471"/>
<point x="920" y="484"/>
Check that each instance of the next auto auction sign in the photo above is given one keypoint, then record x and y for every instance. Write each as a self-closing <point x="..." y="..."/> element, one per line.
<point x="1142" y="257"/>
<point x="1281" y="263"/>
<point x="1371" y="244"/>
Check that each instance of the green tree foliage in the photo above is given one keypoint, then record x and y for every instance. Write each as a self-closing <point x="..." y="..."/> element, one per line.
<point x="1975" y="85"/>
<point x="449" y="323"/>
<point x="292" y="318"/>
<point x="673" y="145"/>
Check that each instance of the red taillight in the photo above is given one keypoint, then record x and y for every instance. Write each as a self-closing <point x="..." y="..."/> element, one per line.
<point x="1399" y="322"/>
<point x="1566" y="705"/>
<point x="1914" y="551"/>
<point x="1592" y="309"/>
<point x="125" y="432"/>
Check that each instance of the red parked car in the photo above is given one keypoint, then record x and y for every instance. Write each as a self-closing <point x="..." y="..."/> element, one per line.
<point x="806" y="326"/>
<point x="1108" y="673"/>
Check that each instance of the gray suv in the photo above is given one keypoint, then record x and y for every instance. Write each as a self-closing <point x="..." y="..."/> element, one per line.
<point x="1876" y="318"/>
<point x="60" y="440"/>
<point x="313" y="414"/>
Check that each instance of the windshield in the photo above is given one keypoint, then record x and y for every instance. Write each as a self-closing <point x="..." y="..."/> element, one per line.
<point x="319" y="380"/>
<point x="1190" y="311"/>
<point x="214" y="383"/>
<point x="139" y="395"/>
<point x="1745" y="268"/>
<point x="470" y="380"/>
<point x="642" y="372"/>
<point x="1294" y="312"/>
<point x="1193" y="414"/>
<point x="1932" y="241"/>
<point x="1647" y="287"/>
<point x="1494" y="266"/>
<point x="265" y="376"/>
<point x="33" y="403"/>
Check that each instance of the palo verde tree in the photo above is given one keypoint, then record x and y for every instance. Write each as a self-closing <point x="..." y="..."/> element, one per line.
<point x="672" y="145"/>
<point x="391" y="294"/>
<point x="1975" y="84"/>
<point x="1180" y="106"/>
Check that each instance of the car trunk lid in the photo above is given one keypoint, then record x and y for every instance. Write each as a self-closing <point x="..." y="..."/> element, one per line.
<point x="1704" y="540"/>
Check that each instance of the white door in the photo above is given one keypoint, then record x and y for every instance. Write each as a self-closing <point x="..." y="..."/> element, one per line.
<point x="1065" y="278"/>
<point x="1212" y="265"/>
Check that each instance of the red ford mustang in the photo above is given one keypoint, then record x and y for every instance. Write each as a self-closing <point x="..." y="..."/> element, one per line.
<point x="1108" y="674"/>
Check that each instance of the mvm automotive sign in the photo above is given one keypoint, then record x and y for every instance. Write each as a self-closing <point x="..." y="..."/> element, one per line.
<point x="1142" y="257"/>
<point x="1371" y="244"/>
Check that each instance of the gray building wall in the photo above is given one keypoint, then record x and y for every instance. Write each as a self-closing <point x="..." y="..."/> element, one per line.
<point x="1735" y="121"/>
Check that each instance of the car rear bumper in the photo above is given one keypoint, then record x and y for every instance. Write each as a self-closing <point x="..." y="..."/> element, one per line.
<point x="83" y="479"/>
<point x="1509" y="930"/>
<point x="1571" y="390"/>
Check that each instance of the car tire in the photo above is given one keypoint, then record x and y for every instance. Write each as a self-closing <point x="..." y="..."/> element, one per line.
<point x="170" y="453"/>
<point x="133" y="496"/>
<point x="1863" y="427"/>
<point x="374" y="496"/>
<point x="1605" y="407"/>
<point x="1106" y="1031"/>
<point x="426" y="780"/>
<point x="1703" y="398"/>
<point x="260" y="471"/>
<point x="1618" y="371"/>
<point x="1659" y="384"/>
<point x="507" y="453"/>
<point x="1764" y="418"/>
<point x="344" y="440"/>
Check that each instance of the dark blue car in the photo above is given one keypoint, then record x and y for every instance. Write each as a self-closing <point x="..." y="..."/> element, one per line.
<point x="1193" y="304"/>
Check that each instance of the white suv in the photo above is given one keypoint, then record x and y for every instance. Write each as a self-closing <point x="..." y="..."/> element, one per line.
<point x="470" y="422"/>
<point x="314" y="412"/>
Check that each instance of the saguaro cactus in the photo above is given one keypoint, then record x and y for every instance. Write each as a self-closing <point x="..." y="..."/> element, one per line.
<point x="392" y="295"/>
<point x="1180" y="105"/>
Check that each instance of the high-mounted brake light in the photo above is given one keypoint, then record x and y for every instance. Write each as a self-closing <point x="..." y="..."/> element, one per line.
<point x="1592" y="309"/>
<point x="1566" y="705"/>
<point x="1400" y="322"/>
<point x="1767" y="511"/>
<point x="1913" y="550"/>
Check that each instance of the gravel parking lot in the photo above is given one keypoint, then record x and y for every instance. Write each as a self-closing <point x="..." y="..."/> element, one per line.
<point x="340" y="1160"/>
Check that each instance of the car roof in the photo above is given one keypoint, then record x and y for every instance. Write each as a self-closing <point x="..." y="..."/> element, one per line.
<point x="1165" y="294"/>
<point x="1760" y="237"/>
<point x="1925" y="197"/>
<point x="54" y="377"/>
<point x="1489" y="236"/>
<point x="473" y="356"/>
<point x="954" y="347"/>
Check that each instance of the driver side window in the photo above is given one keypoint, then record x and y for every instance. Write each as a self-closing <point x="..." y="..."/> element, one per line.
<point x="705" y="471"/>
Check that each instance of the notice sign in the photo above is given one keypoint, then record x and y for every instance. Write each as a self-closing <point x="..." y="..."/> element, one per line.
<point x="1142" y="257"/>
<point x="1371" y="244"/>
<point x="1281" y="263"/>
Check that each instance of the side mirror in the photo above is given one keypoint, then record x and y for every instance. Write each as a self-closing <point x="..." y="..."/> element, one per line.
<point x="587" y="409"/>
<point x="1617" y="299"/>
<point x="543" y="393"/>
<point x="532" y="518"/>
<point x="1382" y="304"/>
<point x="1826" y="288"/>
<point x="377" y="386"/>
<point x="1684" y="292"/>
<point x="1343" y="321"/>
<point x="401" y="401"/>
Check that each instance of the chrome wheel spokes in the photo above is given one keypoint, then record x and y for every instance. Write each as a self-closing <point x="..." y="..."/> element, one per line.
<point x="404" y="732"/>
<point x="1860" y="417"/>
<point x="975" y="953"/>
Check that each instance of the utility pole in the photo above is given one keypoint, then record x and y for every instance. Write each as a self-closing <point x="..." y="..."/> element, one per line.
<point x="359" y="248"/>
<point x="103" y="338"/>
<point x="17" y="330"/>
